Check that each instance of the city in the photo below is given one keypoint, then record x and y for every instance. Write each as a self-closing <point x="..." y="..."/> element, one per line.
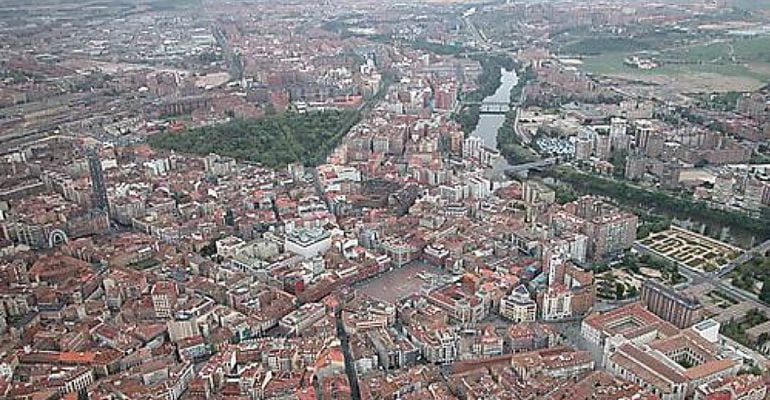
<point x="435" y="199"/>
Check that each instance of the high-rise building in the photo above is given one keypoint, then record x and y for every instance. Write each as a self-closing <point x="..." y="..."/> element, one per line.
<point x="445" y="97"/>
<point x="755" y="194"/>
<point x="619" y="134"/>
<point x="472" y="147"/>
<point x="610" y="230"/>
<point x="672" y="306"/>
<point x="584" y="143"/>
<point x="98" y="186"/>
<point x="164" y="295"/>
<point x="536" y="192"/>
<point x="555" y="264"/>
<point x="556" y="303"/>
<point x="723" y="188"/>
<point x="644" y="130"/>
<point x="602" y="146"/>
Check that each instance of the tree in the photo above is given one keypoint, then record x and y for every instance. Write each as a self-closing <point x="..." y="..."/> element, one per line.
<point x="509" y="144"/>
<point x="210" y="249"/>
<point x="565" y="194"/>
<point x="631" y="262"/>
<point x="764" y="294"/>
<point x="618" y="161"/>
<point x="701" y="163"/>
<point x="620" y="291"/>
<point x="752" y="370"/>
<point x="734" y="330"/>
<point x="665" y="202"/>
<point x="754" y="317"/>
<point x="272" y="141"/>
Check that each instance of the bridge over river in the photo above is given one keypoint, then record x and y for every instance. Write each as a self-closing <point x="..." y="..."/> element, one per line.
<point x="490" y="107"/>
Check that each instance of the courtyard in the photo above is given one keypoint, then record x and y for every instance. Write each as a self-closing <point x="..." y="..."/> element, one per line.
<point x="692" y="249"/>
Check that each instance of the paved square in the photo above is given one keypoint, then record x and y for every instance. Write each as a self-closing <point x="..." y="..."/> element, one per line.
<point x="400" y="282"/>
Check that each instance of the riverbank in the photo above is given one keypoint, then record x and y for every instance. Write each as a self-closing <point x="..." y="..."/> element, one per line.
<point x="489" y="82"/>
<point x="508" y="141"/>
<point x="663" y="203"/>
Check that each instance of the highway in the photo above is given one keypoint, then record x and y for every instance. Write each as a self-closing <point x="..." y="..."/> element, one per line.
<point x="487" y="46"/>
<point x="477" y="35"/>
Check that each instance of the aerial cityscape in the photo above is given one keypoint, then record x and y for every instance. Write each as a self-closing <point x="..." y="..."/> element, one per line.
<point x="425" y="199"/>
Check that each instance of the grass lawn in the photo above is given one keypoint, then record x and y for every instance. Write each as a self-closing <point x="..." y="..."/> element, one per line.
<point x="700" y="53"/>
<point x="753" y="48"/>
<point x="744" y="49"/>
<point x="689" y="77"/>
<point x="743" y="59"/>
<point x="612" y="64"/>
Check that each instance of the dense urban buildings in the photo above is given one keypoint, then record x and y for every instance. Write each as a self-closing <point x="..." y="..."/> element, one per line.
<point x="375" y="200"/>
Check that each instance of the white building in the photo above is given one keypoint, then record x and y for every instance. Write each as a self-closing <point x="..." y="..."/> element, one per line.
<point x="479" y="188"/>
<point x="182" y="329"/>
<point x="308" y="242"/>
<point x="179" y="380"/>
<point x="158" y="167"/>
<point x="303" y="317"/>
<point x="535" y="192"/>
<point x="572" y="246"/>
<point x="519" y="306"/>
<point x="438" y="347"/>
<point x="618" y="133"/>
<point x="228" y="247"/>
<point x="77" y="380"/>
<point x="472" y="147"/>
<point x="557" y="304"/>
<point x="454" y="193"/>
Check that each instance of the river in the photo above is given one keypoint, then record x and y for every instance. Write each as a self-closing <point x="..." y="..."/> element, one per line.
<point x="490" y="123"/>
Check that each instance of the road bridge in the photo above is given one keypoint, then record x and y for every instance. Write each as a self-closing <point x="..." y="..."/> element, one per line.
<point x="489" y="107"/>
<point x="546" y="162"/>
<point x="494" y="108"/>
